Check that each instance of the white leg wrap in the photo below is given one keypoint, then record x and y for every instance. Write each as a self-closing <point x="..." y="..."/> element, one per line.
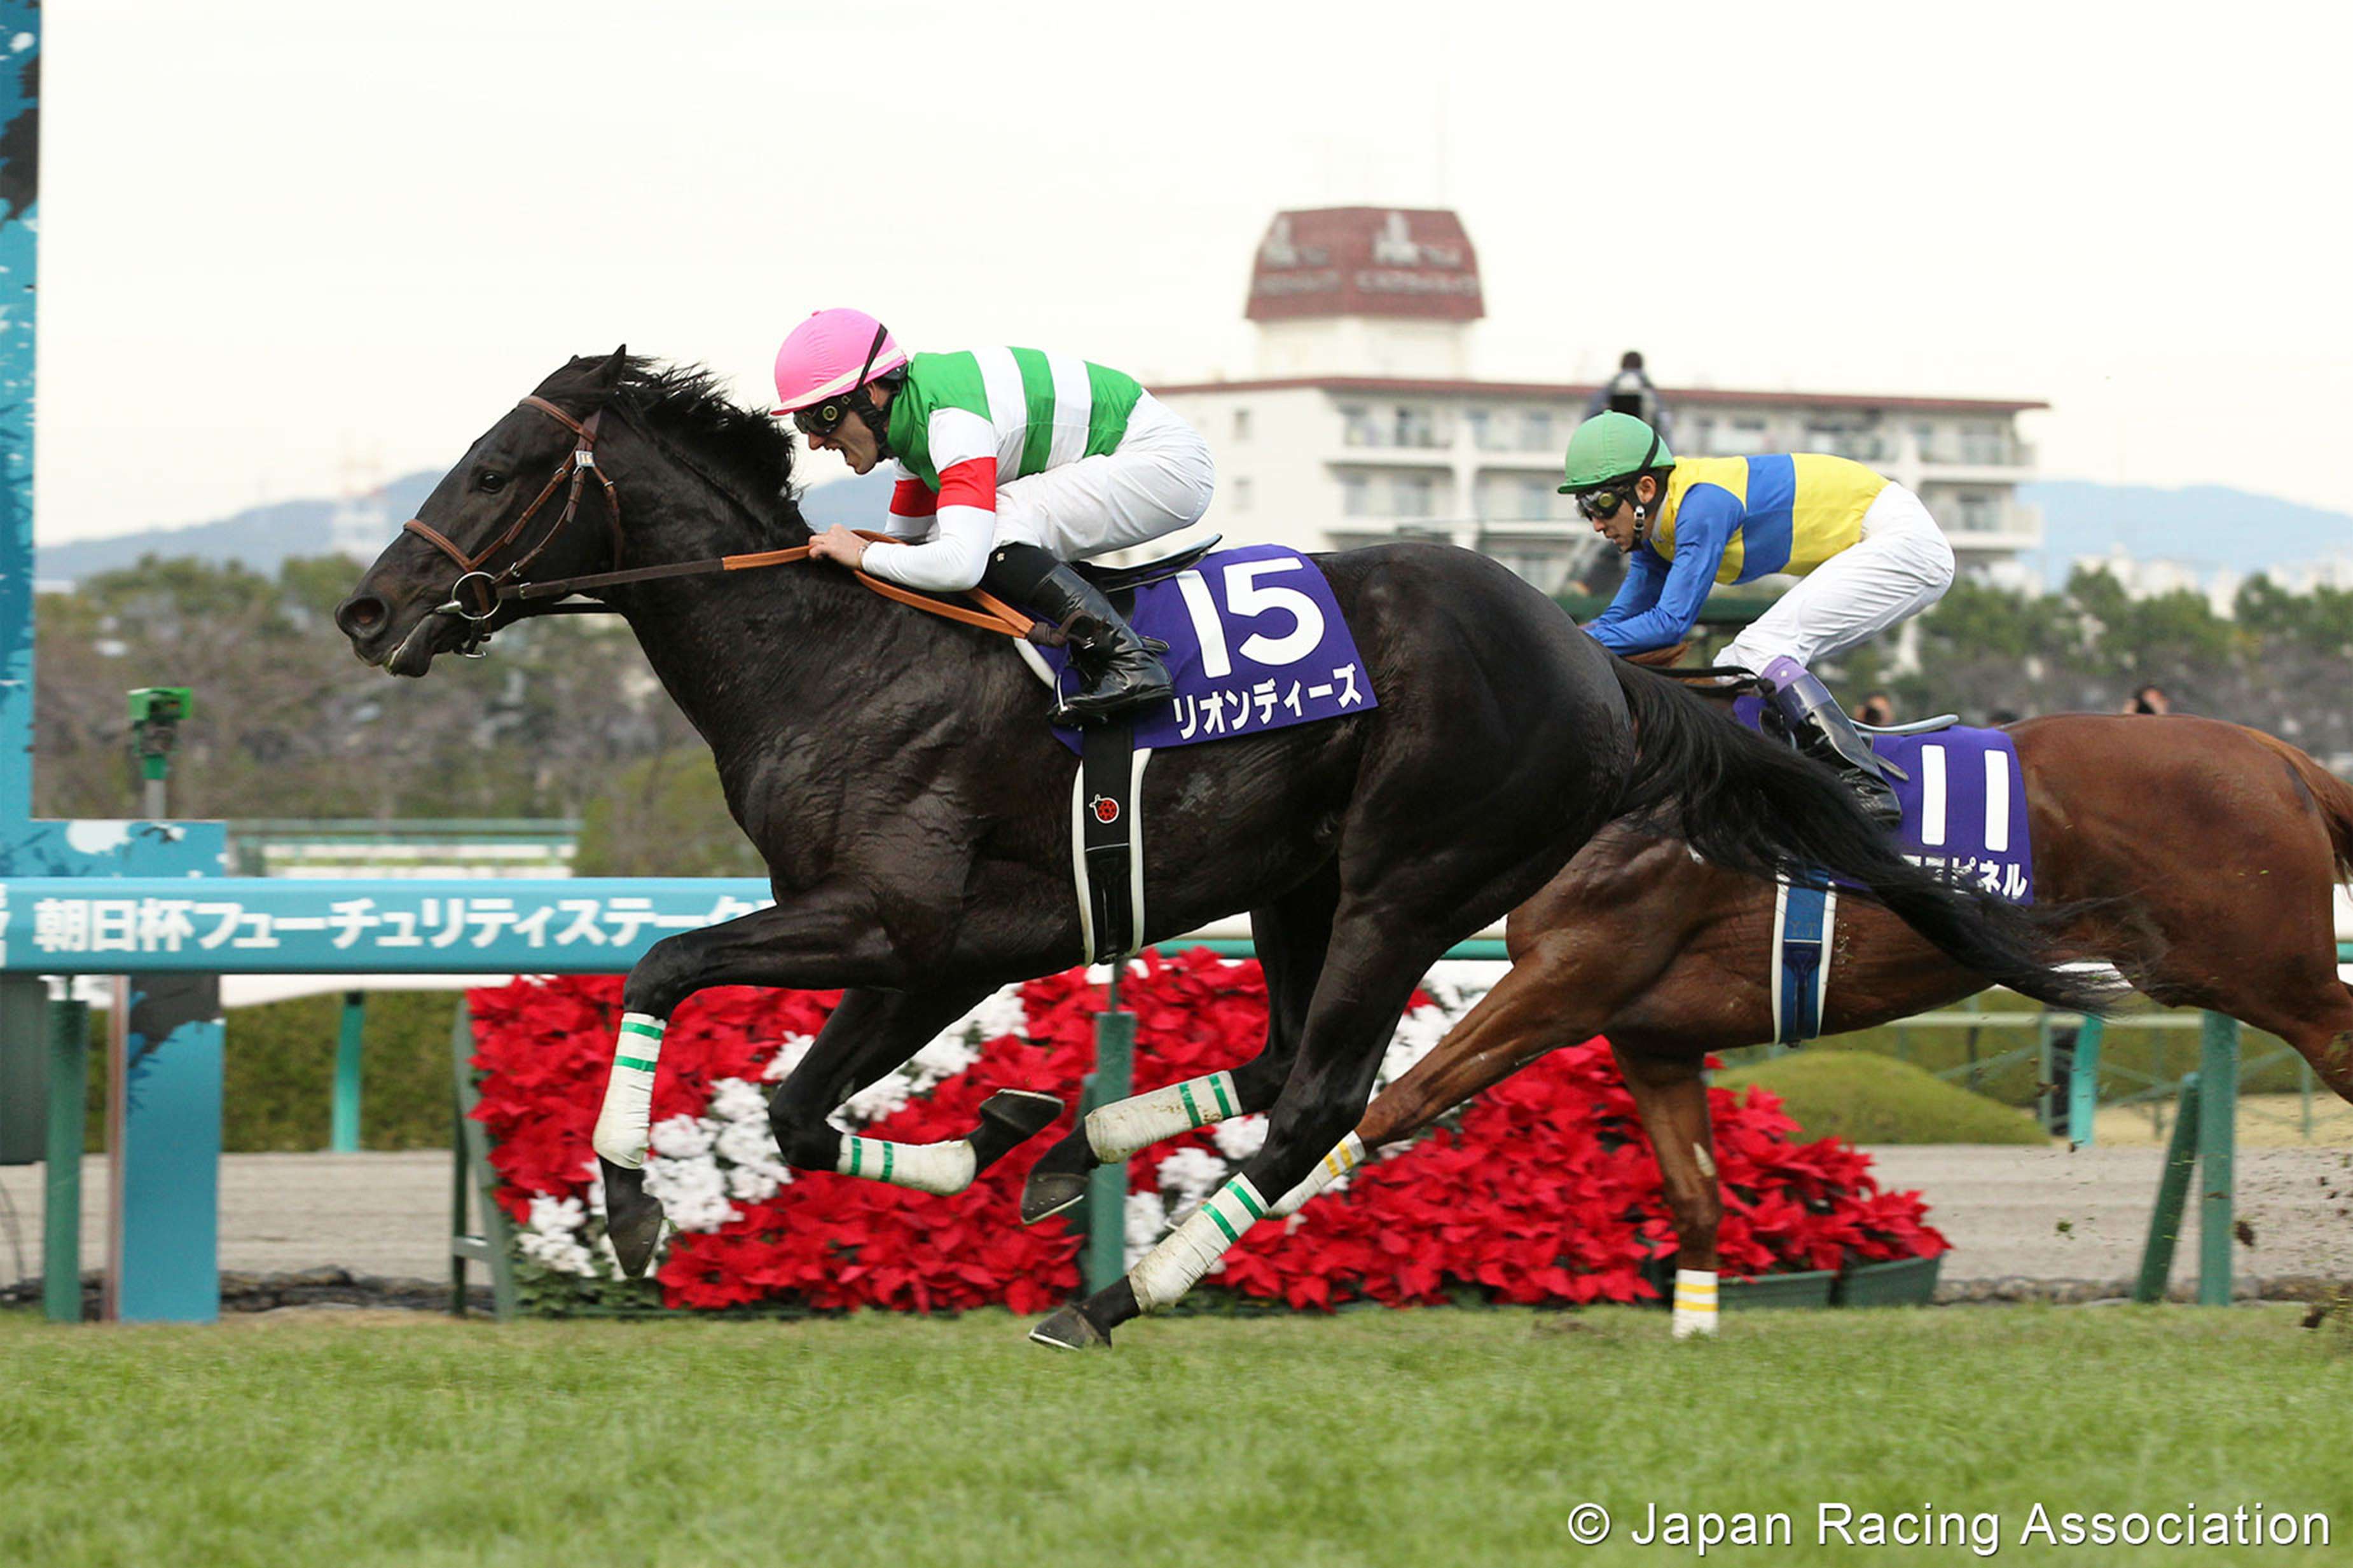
<point x="1328" y="1170"/>
<point x="1695" y="1303"/>
<point x="1163" y="1276"/>
<point x="1120" y="1128"/>
<point x="625" y="1121"/>
<point x="941" y="1168"/>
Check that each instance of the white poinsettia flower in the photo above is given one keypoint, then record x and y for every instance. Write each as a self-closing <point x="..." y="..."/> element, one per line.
<point x="875" y="1102"/>
<point x="692" y="1192"/>
<point x="683" y="1137"/>
<point x="751" y="1144"/>
<point x="789" y="1056"/>
<point x="1000" y="1014"/>
<point x="550" y="1236"/>
<point x="1147" y="1222"/>
<point x="942" y="1059"/>
<point x="1240" y="1137"/>
<point x="1187" y="1176"/>
<point x="752" y="1184"/>
<point x="732" y="1100"/>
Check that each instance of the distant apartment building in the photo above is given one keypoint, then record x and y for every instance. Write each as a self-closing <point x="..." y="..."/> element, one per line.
<point x="1364" y="423"/>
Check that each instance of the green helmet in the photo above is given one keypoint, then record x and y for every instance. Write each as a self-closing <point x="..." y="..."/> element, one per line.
<point x="1612" y="446"/>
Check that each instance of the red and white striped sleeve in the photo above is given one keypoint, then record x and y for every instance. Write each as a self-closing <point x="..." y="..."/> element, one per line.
<point x="964" y="508"/>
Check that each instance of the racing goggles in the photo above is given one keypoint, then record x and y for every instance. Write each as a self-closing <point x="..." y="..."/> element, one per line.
<point x="1601" y="505"/>
<point x="824" y="418"/>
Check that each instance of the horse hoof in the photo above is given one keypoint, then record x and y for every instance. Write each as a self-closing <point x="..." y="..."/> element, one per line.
<point x="1069" y="1330"/>
<point x="633" y="1221"/>
<point x="1050" y="1193"/>
<point x="1009" y="1118"/>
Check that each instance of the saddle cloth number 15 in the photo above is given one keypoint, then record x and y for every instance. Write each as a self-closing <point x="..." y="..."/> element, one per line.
<point x="1246" y="600"/>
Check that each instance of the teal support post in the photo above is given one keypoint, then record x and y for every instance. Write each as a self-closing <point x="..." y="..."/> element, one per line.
<point x="1105" y="1257"/>
<point x="61" y="1194"/>
<point x="344" y="1134"/>
<point x="2218" y="1119"/>
<point x="2172" y="1191"/>
<point x="2083" y="1082"/>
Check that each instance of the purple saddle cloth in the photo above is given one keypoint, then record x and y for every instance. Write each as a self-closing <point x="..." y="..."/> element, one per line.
<point x="1255" y="643"/>
<point x="1964" y="799"/>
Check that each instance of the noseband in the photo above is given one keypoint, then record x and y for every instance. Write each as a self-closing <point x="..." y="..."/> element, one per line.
<point x="487" y="590"/>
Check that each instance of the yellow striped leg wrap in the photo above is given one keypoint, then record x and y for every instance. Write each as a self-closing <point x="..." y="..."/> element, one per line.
<point x="1162" y="1276"/>
<point x="1695" y="1303"/>
<point x="1116" y="1131"/>
<point x="941" y="1168"/>
<point x="1328" y="1170"/>
<point x="625" y="1122"/>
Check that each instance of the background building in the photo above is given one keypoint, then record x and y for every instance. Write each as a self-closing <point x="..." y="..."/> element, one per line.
<point x="1363" y="422"/>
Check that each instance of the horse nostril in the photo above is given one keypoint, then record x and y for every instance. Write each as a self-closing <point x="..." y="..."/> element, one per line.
<point x="359" y="615"/>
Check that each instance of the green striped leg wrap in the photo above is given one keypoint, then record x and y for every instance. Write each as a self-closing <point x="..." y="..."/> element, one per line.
<point x="1163" y="1276"/>
<point x="940" y="1168"/>
<point x="625" y="1121"/>
<point x="1119" y="1130"/>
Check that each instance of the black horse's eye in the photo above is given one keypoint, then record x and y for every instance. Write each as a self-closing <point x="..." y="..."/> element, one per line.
<point x="490" y="479"/>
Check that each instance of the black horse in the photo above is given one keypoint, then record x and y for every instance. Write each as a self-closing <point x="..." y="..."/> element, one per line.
<point x="896" y="772"/>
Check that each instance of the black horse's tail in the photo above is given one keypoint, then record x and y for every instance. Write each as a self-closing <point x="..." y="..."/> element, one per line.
<point x="1752" y="806"/>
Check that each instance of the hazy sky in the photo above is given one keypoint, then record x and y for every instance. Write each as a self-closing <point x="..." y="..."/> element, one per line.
<point x="283" y="243"/>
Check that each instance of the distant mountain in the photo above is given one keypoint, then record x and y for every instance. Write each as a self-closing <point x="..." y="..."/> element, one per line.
<point x="259" y="538"/>
<point x="262" y="537"/>
<point x="2205" y="526"/>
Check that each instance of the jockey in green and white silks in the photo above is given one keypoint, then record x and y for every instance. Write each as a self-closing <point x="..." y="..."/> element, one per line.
<point x="1868" y="554"/>
<point x="1009" y="462"/>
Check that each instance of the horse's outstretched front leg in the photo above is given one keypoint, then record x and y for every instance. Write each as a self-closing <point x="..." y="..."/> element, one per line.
<point x="827" y="939"/>
<point x="1290" y="935"/>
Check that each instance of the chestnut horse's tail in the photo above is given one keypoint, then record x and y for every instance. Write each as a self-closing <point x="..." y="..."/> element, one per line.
<point x="2331" y="793"/>
<point x="1748" y="804"/>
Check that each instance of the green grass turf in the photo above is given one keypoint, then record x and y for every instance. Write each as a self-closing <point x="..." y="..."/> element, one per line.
<point x="1371" y="1438"/>
<point x="1868" y="1099"/>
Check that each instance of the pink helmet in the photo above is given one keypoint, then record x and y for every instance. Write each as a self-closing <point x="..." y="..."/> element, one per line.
<point x="833" y="352"/>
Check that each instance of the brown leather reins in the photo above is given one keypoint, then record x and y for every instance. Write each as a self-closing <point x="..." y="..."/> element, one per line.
<point x="487" y="592"/>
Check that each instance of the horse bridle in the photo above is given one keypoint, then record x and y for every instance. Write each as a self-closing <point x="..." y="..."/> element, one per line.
<point x="488" y="591"/>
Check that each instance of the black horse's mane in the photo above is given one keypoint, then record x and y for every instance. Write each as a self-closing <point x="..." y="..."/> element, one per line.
<point x="741" y="450"/>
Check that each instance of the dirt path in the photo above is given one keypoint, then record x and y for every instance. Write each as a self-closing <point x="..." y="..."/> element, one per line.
<point x="2036" y="1214"/>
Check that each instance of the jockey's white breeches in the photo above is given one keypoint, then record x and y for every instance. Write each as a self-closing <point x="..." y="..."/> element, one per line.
<point x="1900" y="566"/>
<point x="1159" y="479"/>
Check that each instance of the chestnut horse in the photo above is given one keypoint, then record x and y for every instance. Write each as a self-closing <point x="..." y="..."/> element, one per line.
<point x="2206" y="856"/>
<point x="2199" y="859"/>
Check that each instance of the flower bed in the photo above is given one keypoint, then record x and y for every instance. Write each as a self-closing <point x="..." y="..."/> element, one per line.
<point x="1543" y="1190"/>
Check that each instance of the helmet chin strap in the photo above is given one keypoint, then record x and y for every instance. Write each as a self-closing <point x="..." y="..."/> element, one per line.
<point x="1644" y="514"/>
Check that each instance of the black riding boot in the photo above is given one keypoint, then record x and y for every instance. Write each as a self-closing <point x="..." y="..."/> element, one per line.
<point x="1825" y="734"/>
<point x="1117" y="672"/>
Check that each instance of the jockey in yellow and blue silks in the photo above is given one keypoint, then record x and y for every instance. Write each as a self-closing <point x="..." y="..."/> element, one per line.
<point x="1869" y="554"/>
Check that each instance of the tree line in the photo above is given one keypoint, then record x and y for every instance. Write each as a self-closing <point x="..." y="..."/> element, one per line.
<point x="565" y="718"/>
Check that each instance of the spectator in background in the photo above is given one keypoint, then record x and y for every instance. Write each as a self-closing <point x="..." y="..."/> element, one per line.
<point x="1877" y="709"/>
<point x="2150" y="699"/>
<point x="2002" y="716"/>
<point x="1631" y="392"/>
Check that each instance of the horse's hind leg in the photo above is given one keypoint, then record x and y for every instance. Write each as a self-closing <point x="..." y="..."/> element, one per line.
<point x="1366" y="981"/>
<point x="1671" y="1099"/>
<point x="869" y="1034"/>
<point x="1290" y="935"/>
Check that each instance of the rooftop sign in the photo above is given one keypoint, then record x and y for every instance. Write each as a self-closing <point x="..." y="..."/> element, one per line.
<point x="1366" y="261"/>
